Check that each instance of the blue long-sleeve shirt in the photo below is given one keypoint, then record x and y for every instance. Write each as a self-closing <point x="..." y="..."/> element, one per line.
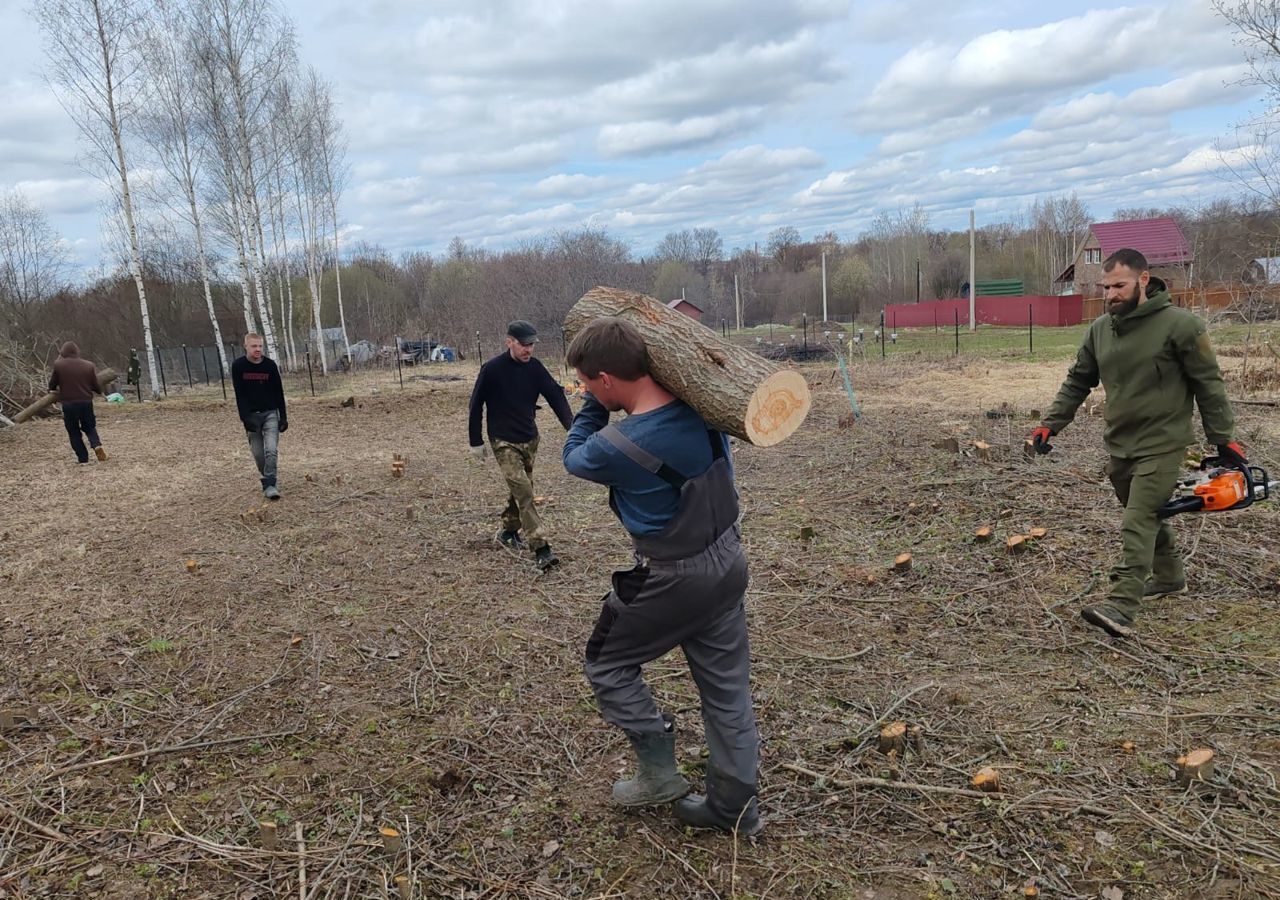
<point x="674" y="433"/>
<point x="509" y="391"/>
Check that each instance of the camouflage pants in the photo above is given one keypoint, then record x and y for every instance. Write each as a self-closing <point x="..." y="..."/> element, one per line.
<point x="516" y="463"/>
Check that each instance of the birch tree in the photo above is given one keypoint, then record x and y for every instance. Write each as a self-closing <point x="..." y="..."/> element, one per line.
<point x="171" y="131"/>
<point x="96" y="69"/>
<point x="331" y="159"/>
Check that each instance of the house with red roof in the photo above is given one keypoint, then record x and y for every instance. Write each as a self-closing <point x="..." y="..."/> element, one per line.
<point x="682" y="305"/>
<point x="1160" y="240"/>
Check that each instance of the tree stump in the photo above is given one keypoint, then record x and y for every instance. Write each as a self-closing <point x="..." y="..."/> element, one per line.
<point x="893" y="738"/>
<point x="397" y="465"/>
<point x="735" y="390"/>
<point x="984" y="534"/>
<point x="987" y="780"/>
<point x="192" y="566"/>
<point x="390" y="840"/>
<point x="806" y="533"/>
<point x="268" y="836"/>
<point x="902" y="562"/>
<point x="1016" y="544"/>
<point x="1196" y="766"/>
<point x="950" y="445"/>
<point x="402" y="886"/>
<point x="982" y="449"/>
<point x="105" y="377"/>
<point x="1036" y="534"/>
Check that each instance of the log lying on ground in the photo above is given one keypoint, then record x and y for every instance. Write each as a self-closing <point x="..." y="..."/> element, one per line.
<point x="735" y="390"/>
<point x="105" y="377"/>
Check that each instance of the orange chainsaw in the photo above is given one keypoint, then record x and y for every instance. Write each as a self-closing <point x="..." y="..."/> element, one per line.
<point x="1218" y="487"/>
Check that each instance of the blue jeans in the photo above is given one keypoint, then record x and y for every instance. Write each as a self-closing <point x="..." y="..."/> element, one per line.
<point x="264" y="440"/>
<point x="79" y="417"/>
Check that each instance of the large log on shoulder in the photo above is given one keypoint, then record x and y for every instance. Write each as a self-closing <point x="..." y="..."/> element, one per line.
<point x="735" y="390"/>
<point x="105" y="377"/>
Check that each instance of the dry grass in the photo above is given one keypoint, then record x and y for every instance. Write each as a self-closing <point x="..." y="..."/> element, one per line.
<point x="340" y="667"/>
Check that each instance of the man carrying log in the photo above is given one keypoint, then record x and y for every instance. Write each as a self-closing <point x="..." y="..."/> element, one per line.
<point x="508" y="387"/>
<point x="1154" y="360"/>
<point x="670" y="479"/>
<point x="260" y="403"/>
<point x="76" y="381"/>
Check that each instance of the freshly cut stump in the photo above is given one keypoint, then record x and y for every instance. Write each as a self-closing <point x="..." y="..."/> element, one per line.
<point x="902" y="562"/>
<point x="893" y="738"/>
<point x="735" y="390"/>
<point x="987" y="779"/>
<point x="983" y="534"/>
<point x="1195" y="766"/>
<point x="1016" y="544"/>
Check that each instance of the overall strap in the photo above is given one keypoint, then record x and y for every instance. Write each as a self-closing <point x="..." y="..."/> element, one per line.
<point x="717" y="444"/>
<point x="641" y="457"/>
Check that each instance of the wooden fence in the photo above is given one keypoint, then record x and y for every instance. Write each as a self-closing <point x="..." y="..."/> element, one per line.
<point x="1205" y="299"/>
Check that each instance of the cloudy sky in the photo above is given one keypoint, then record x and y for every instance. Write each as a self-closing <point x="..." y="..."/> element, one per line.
<point x="500" y="120"/>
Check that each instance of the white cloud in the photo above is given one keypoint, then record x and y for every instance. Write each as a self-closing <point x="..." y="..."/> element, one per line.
<point x="522" y="157"/>
<point x="643" y="138"/>
<point x="1011" y="71"/>
<point x="564" y="185"/>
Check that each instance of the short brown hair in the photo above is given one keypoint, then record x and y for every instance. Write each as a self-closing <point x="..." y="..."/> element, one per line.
<point x="610" y="345"/>
<point x="1127" y="257"/>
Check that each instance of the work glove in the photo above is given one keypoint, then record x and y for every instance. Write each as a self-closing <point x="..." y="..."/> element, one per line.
<point x="1040" y="439"/>
<point x="480" y="452"/>
<point x="1232" y="453"/>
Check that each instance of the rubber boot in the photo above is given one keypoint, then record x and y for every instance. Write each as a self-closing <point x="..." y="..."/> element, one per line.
<point x="657" y="780"/>
<point x="730" y="805"/>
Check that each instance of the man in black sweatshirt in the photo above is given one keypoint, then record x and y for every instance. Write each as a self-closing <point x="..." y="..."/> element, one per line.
<point x="260" y="402"/>
<point x="509" y="385"/>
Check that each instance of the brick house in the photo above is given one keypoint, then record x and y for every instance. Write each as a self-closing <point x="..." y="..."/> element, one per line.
<point x="1159" y="240"/>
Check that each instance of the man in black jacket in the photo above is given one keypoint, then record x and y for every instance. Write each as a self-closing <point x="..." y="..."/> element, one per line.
<point x="260" y="402"/>
<point x="509" y="386"/>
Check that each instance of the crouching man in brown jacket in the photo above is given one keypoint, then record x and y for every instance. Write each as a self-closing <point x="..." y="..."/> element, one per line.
<point x="76" y="381"/>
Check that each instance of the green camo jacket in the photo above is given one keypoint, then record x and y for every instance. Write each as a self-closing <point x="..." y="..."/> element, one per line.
<point x="1153" y="362"/>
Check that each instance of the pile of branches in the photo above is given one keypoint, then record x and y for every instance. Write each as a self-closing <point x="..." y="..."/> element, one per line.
<point x="796" y="351"/>
<point x="24" y="376"/>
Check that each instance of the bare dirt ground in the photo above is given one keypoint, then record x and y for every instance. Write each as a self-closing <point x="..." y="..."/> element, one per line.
<point x="366" y="656"/>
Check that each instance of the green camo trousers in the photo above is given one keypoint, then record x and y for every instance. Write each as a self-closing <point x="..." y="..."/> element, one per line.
<point x="516" y="463"/>
<point x="1143" y="486"/>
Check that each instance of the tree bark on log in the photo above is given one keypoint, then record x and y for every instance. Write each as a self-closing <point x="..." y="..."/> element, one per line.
<point x="105" y="377"/>
<point x="735" y="390"/>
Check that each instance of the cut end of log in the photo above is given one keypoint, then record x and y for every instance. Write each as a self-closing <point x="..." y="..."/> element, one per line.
<point x="1196" y="766"/>
<point x="777" y="408"/>
<point x="987" y="780"/>
<point x="902" y="563"/>
<point x="1016" y="544"/>
<point x="893" y="738"/>
<point x="984" y="534"/>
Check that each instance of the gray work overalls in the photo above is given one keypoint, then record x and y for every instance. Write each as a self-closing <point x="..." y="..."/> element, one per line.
<point x="687" y="589"/>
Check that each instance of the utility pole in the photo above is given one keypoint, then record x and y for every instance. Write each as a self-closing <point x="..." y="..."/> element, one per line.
<point x="917" y="279"/>
<point x="973" y="284"/>
<point x="824" y="286"/>
<point x="737" y="302"/>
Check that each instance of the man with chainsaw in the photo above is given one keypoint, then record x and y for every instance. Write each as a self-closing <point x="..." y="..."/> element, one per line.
<point x="670" y="479"/>
<point x="1154" y="359"/>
